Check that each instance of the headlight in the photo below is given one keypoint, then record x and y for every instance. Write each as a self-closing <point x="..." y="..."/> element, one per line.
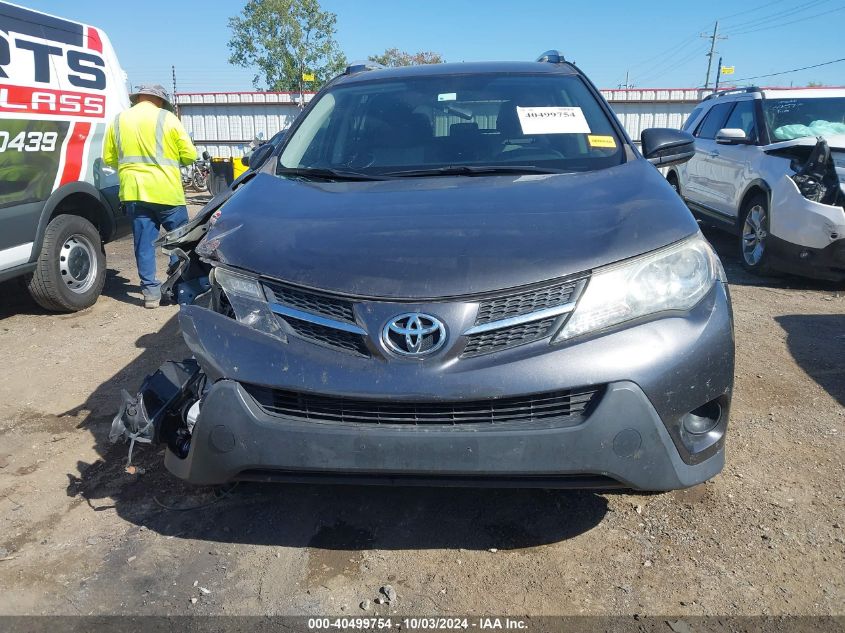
<point x="248" y="302"/>
<point x="673" y="278"/>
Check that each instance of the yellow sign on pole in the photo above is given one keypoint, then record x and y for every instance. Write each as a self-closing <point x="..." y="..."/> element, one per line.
<point x="727" y="70"/>
<point x="307" y="76"/>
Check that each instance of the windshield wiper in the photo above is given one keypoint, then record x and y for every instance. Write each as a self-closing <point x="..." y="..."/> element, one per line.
<point x="472" y="170"/>
<point x="322" y="173"/>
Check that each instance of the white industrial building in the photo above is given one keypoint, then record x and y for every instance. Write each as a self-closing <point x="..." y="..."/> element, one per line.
<point x="224" y="123"/>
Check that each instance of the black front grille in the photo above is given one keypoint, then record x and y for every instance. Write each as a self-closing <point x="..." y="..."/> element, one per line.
<point x="313" y="302"/>
<point x="567" y="406"/>
<point x="495" y="340"/>
<point x="526" y="302"/>
<point x="327" y="335"/>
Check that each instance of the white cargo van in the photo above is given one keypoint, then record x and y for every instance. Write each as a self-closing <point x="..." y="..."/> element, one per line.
<point x="60" y="85"/>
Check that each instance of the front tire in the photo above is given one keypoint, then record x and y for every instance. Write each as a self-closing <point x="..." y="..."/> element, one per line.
<point x="200" y="181"/>
<point x="71" y="268"/>
<point x="753" y="237"/>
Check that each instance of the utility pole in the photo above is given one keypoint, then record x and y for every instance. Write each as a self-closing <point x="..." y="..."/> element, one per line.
<point x="712" y="52"/>
<point x="718" y="75"/>
<point x="173" y="73"/>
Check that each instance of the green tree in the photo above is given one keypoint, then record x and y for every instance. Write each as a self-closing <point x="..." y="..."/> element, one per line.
<point x="283" y="39"/>
<point x="394" y="57"/>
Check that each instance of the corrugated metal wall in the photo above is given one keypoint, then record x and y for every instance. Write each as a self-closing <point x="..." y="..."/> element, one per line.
<point x="224" y="123"/>
<point x="642" y="108"/>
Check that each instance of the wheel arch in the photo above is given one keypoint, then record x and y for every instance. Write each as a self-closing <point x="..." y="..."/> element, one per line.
<point x="76" y="198"/>
<point x="755" y="187"/>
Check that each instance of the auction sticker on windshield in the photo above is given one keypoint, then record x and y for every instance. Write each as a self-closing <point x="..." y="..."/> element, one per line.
<point x="552" y="120"/>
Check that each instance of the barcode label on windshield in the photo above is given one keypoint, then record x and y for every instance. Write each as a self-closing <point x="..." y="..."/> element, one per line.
<point x="552" y="120"/>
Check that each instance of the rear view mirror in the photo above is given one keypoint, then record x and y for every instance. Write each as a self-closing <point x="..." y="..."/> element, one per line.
<point x="667" y="146"/>
<point x="245" y="160"/>
<point x="260" y="155"/>
<point x="731" y="136"/>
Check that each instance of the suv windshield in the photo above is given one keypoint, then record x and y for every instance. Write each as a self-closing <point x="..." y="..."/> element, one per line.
<point x="794" y="118"/>
<point x="443" y="124"/>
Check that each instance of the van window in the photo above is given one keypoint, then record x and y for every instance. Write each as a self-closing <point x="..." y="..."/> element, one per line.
<point x="713" y="121"/>
<point x="742" y="118"/>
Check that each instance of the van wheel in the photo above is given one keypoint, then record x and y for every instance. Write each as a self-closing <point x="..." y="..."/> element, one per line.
<point x="71" y="268"/>
<point x="753" y="237"/>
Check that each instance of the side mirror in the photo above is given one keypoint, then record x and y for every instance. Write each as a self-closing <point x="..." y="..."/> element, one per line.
<point x="260" y="155"/>
<point x="206" y="155"/>
<point x="663" y="146"/>
<point x="731" y="136"/>
<point x="245" y="159"/>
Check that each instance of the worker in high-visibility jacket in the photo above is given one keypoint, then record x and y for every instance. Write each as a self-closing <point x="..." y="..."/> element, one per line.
<point x="147" y="144"/>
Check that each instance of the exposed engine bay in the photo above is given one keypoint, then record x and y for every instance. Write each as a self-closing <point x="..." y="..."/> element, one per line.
<point x="819" y="171"/>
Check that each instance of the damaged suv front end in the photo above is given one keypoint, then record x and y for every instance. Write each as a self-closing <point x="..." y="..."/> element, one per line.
<point x="545" y="314"/>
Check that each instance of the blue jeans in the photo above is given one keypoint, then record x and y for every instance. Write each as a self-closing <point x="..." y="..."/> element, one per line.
<point x="147" y="220"/>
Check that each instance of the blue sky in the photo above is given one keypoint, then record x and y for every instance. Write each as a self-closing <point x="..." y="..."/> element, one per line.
<point x="657" y="42"/>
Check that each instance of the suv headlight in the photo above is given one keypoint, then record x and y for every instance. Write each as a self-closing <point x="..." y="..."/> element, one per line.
<point x="672" y="278"/>
<point x="246" y="296"/>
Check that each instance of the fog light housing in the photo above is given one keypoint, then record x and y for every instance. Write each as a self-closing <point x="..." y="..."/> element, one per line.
<point x="704" y="419"/>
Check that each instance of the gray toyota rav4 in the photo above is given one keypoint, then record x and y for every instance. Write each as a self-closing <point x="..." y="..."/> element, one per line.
<point x="459" y="274"/>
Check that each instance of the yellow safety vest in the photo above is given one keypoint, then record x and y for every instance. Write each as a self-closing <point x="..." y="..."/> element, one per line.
<point x="147" y="145"/>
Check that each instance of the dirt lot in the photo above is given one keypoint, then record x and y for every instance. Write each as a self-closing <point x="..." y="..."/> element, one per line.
<point x="79" y="536"/>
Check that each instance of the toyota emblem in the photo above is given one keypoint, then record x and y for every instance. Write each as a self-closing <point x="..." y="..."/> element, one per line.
<point x="414" y="334"/>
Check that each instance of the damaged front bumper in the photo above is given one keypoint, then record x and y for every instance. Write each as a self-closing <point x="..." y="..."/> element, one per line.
<point x="631" y="435"/>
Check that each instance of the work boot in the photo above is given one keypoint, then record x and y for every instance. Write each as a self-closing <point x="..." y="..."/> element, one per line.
<point x="152" y="297"/>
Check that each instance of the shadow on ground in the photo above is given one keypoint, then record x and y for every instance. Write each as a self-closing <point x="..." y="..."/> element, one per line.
<point x="320" y="516"/>
<point x="16" y="299"/>
<point x="727" y="246"/>
<point x="817" y="343"/>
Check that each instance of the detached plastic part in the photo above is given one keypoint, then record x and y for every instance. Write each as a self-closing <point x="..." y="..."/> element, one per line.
<point x="157" y="413"/>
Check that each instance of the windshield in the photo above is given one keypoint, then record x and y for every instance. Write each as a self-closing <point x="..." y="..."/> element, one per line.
<point x="550" y="122"/>
<point x="795" y="118"/>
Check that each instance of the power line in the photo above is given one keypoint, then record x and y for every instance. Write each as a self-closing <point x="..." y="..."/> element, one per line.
<point x="765" y="5"/>
<point x="791" y="22"/>
<point x="773" y="17"/>
<point x="794" y="70"/>
<point x="674" y="65"/>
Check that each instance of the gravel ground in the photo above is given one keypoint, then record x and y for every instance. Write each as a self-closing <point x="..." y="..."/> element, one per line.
<point x="79" y="536"/>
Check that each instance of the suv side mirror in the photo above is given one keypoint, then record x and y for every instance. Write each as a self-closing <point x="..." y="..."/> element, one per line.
<point x="731" y="136"/>
<point x="260" y="155"/>
<point x="663" y="146"/>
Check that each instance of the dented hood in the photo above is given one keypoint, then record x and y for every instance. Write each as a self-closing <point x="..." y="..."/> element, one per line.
<point x="446" y="236"/>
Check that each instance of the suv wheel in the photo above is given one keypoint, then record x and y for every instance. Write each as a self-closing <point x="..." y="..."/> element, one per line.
<point x="754" y="224"/>
<point x="71" y="267"/>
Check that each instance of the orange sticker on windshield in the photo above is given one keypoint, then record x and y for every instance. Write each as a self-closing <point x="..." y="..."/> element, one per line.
<point x="601" y="141"/>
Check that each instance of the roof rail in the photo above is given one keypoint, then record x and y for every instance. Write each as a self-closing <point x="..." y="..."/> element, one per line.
<point x="359" y="67"/>
<point x="551" y="57"/>
<point x="730" y="91"/>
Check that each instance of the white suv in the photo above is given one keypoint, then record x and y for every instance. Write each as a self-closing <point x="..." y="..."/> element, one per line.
<point x="769" y="165"/>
